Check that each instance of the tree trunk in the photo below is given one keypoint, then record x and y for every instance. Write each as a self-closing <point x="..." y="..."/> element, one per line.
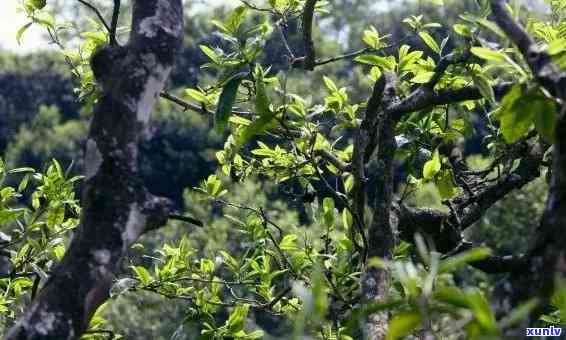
<point x="382" y="231"/>
<point x="117" y="208"/>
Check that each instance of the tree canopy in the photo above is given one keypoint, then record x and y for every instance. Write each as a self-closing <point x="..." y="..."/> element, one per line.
<point x="287" y="170"/>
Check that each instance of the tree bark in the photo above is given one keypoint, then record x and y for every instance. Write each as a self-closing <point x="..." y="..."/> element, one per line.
<point x="117" y="208"/>
<point x="382" y="231"/>
<point x="546" y="261"/>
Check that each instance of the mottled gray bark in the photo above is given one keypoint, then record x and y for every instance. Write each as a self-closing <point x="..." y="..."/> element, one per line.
<point x="546" y="260"/>
<point x="117" y="208"/>
<point x="362" y="142"/>
<point x="378" y="132"/>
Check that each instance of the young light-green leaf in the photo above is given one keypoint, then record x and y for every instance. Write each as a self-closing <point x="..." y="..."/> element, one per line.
<point x="403" y="324"/>
<point x="457" y="261"/>
<point x="21" y="32"/>
<point x="487" y="54"/>
<point x="384" y="63"/>
<point x="432" y="167"/>
<point x="429" y="41"/>
<point x="445" y="185"/>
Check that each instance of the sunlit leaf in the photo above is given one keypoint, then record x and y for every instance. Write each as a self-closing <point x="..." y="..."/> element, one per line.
<point x="403" y="324"/>
<point x="429" y="41"/>
<point x="432" y="167"/>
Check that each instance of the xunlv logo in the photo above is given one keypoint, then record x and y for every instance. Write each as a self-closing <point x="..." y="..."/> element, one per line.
<point x="548" y="331"/>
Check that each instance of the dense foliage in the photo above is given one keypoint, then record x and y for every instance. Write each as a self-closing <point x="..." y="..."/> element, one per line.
<point x="341" y="151"/>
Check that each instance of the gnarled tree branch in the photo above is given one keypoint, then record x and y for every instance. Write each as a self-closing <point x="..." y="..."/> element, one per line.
<point x="362" y="140"/>
<point x="445" y="229"/>
<point x="310" y="53"/>
<point x="547" y="258"/>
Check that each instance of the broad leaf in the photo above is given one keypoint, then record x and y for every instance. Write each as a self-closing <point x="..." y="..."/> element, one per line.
<point x="432" y="167"/>
<point x="385" y="63"/>
<point x="226" y="102"/>
<point x="266" y="115"/>
<point x="487" y="54"/>
<point x="429" y="41"/>
<point x="520" y="110"/>
<point x="403" y="324"/>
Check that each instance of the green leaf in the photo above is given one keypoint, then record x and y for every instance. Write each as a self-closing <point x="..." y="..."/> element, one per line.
<point x="207" y="266"/>
<point x="457" y="261"/>
<point x="99" y="38"/>
<point x="422" y="77"/>
<point x="226" y="102"/>
<point x="347" y="219"/>
<point x="210" y="53"/>
<point x="490" y="25"/>
<point x="44" y="19"/>
<point x="519" y="111"/>
<point x="237" y="318"/>
<point x="451" y="295"/>
<point x="142" y="274"/>
<point x="257" y="334"/>
<point x="289" y="242"/>
<point x="330" y="85"/>
<point x="429" y="41"/>
<point x="445" y="184"/>
<point x="328" y="209"/>
<point x="432" y="167"/>
<point x="382" y="62"/>
<point x="482" y="311"/>
<point x="9" y="215"/>
<point x="545" y="119"/>
<point x="197" y="95"/>
<point x="21" y="32"/>
<point x="372" y="38"/>
<point x="557" y="46"/>
<point x="237" y="120"/>
<point x="483" y="84"/>
<point x="37" y="4"/>
<point x="229" y="260"/>
<point x="20" y="170"/>
<point x="56" y="216"/>
<point x="487" y="54"/>
<point x="236" y="18"/>
<point x="403" y="324"/>
<point x="266" y="115"/>
<point x="515" y="121"/>
<point x="462" y="30"/>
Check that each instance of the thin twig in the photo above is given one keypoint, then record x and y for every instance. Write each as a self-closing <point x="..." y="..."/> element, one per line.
<point x="187" y="219"/>
<point x="98" y="14"/>
<point x="285" y="41"/>
<point x="343" y="56"/>
<point x="194" y="107"/>
<point x="114" y="24"/>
